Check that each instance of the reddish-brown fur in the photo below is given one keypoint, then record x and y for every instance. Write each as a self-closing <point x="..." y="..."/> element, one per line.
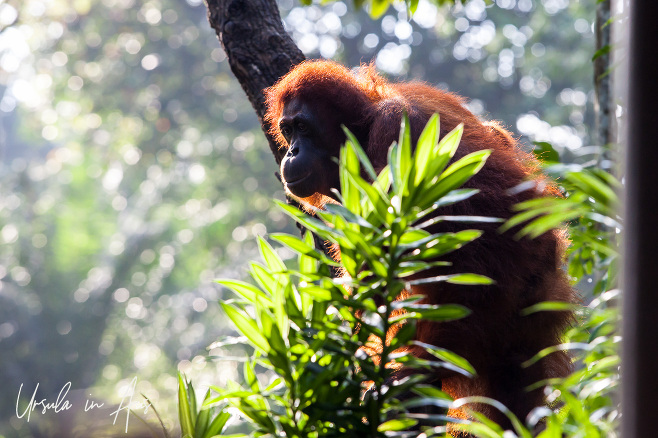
<point x="495" y="338"/>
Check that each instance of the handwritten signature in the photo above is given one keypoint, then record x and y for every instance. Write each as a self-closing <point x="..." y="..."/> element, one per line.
<point x="61" y="403"/>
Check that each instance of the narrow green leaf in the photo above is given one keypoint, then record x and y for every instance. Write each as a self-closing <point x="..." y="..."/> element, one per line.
<point x="250" y="376"/>
<point x="202" y="420"/>
<point x="470" y="279"/>
<point x="430" y="312"/>
<point x="248" y="327"/>
<point x="383" y="181"/>
<point x="549" y="306"/>
<point x="363" y="157"/>
<point x="403" y="158"/>
<point x="546" y="223"/>
<point x="249" y="292"/>
<point x="455" y="176"/>
<point x="270" y="256"/>
<point x="307" y="266"/>
<point x="349" y="166"/>
<point x="412" y="236"/>
<point x="378" y="199"/>
<point x="425" y="149"/>
<point x="594" y="187"/>
<point x="317" y="292"/>
<point x="264" y="278"/>
<point x="394" y="165"/>
<point x="350" y="216"/>
<point x="184" y="415"/>
<point x="602" y="52"/>
<point x="448" y="356"/>
<point x="217" y="425"/>
<point x="397" y="425"/>
<point x="445" y="150"/>
<point x="312" y="224"/>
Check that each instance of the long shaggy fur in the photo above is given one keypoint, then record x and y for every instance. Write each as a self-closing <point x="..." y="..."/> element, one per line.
<point x="495" y="338"/>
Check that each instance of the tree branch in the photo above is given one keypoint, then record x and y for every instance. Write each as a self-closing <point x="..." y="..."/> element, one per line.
<point x="258" y="49"/>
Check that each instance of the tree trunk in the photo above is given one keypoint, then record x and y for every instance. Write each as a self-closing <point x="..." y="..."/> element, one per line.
<point x="258" y="49"/>
<point x="259" y="52"/>
<point x="605" y="129"/>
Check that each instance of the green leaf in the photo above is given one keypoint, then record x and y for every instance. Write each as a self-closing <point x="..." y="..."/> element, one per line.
<point x="317" y="292"/>
<point x="184" y="410"/>
<point x="432" y="312"/>
<point x="217" y="425"/>
<point x="264" y="278"/>
<point x="201" y="423"/>
<point x="314" y="225"/>
<point x="454" y="196"/>
<point x="548" y="222"/>
<point x="469" y="279"/>
<point x="602" y="52"/>
<point x="545" y="152"/>
<point x="541" y="206"/>
<point x="248" y="291"/>
<point x="378" y="8"/>
<point x="425" y="149"/>
<point x="384" y="180"/>
<point x="270" y="256"/>
<point x="413" y="235"/>
<point x="549" y="306"/>
<point x="250" y="376"/>
<point x="594" y="187"/>
<point x="349" y="166"/>
<point x="448" y="356"/>
<point x="349" y="216"/>
<point x="378" y="199"/>
<point x="363" y="157"/>
<point x="455" y="176"/>
<point x="303" y="248"/>
<point x="397" y="425"/>
<point x="431" y="391"/>
<point x="445" y="150"/>
<point x="441" y="244"/>
<point x="248" y="327"/>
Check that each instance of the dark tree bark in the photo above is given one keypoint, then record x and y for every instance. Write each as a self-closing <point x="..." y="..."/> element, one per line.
<point x="257" y="46"/>
<point x="605" y="120"/>
<point x="259" y="52"/>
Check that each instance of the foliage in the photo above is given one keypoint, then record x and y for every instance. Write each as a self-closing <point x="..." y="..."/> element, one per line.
<point x="312" y="331"/>
<point x="591" y="402"/>
<point x="205" y="422"/>
<point x="590" y="206"/>
<point x="377" y="8"/>
<point x="302" y="324"/>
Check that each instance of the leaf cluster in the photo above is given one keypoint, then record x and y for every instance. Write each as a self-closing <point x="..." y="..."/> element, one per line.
<point x="589" y="206"/>
<point x="313" y="332"/>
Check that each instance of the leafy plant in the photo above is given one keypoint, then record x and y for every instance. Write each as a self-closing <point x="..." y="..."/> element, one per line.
<point x="587" y="397"/>
<point x="589" y="206"/>
<point x="312" y="331"/>
<point x="202" y="423"/>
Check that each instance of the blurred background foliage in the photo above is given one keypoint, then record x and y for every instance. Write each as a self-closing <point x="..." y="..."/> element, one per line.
<point x="133" y="171"/>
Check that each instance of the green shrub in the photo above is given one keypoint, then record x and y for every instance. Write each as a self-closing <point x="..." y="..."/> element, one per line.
<point x="311" y="330"/>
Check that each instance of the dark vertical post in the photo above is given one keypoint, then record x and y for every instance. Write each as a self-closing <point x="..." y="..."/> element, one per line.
<point x="640" y="305"/>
